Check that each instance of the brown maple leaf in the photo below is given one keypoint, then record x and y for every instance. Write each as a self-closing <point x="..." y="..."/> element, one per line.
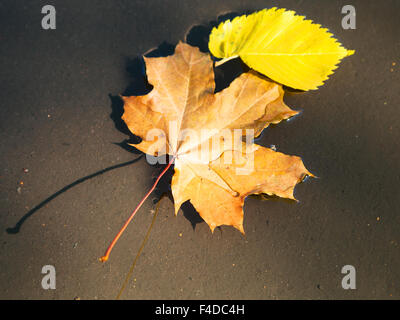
<point x="182" y="117"/>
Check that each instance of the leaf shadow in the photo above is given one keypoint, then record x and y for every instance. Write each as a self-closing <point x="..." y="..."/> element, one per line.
<point x="18" y="225"/>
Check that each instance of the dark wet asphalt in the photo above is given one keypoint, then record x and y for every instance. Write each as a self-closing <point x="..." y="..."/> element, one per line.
<point x="59" y="119"/>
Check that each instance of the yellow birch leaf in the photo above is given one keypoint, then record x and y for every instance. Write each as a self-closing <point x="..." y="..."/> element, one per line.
<point x="281" y="45"/>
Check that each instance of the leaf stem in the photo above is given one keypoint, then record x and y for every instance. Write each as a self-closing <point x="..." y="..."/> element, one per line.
<point x="110" y="247"/>
<point x="218" y="63"/>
